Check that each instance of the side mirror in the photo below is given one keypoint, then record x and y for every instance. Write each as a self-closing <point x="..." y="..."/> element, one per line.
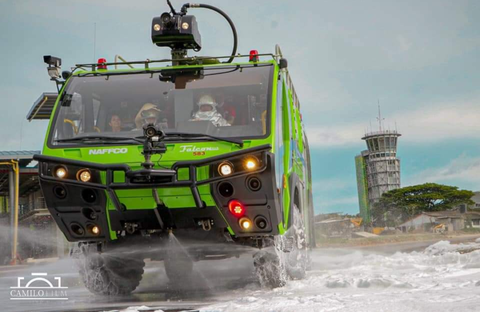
<point x="66" y="74"/>
<point x="283" y="63"/>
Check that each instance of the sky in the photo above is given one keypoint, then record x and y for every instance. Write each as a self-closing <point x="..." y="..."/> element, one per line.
<point x="419" y="59"/>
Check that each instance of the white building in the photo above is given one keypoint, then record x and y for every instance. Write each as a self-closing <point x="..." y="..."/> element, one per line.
<point x="453" y="220"/>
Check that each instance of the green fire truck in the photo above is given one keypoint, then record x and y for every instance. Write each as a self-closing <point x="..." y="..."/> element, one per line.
<point x="207" y="152"/>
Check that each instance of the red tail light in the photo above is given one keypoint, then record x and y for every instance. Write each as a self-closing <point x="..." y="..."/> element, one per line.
<point x="253" y="56"/>
<point x="236" y="208"/>
<point x="101" y="63"/>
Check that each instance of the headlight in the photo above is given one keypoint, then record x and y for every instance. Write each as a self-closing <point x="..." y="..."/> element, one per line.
<point x="93" y="229"/>
<point x="60" y="172"/>
<point x="225" y="168"/>
<point x="84" y="175"/>
<point x="245" y="223"/>
<point x="251" y="163"/>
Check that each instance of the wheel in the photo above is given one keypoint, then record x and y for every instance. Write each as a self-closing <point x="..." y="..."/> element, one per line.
<point x="110" y="274"/>
<point x="270" y="269"/>
<point x="297" y="258"/>
<point x="269" y="263"/>
<point x="285" y="257"/>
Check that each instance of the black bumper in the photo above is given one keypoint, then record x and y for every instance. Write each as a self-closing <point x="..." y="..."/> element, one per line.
<point x="75" y="209"/>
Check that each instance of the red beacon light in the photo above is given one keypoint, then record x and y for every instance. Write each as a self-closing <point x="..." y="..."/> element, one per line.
<point x="101" y="63"/>
<point x="253" y="56"/>
<point x="236" y="208"/>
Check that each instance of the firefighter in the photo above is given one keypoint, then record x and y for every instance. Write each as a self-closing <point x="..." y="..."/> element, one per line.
<point x="207" y="110"/>
<point x="148" y="114"/>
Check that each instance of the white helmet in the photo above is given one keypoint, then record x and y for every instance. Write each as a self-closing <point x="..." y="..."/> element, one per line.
<point x="207" y="100"/>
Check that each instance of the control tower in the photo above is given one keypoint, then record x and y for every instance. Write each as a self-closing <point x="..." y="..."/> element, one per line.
<point x="378" y="168"/>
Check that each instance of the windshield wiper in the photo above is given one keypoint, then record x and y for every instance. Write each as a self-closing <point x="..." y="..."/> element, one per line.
<point x="98" y="138"/>
<point x="200" y="135"/>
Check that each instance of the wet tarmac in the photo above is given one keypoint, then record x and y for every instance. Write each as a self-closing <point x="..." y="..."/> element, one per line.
<point x="214" y="282"/>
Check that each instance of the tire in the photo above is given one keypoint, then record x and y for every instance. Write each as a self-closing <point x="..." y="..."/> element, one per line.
<point x="296" y="260"/>
<point x="270" y="268"/>
<point x="110" y="275"/>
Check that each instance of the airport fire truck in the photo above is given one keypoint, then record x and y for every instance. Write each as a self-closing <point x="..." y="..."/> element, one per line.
<point x="208" y="152"/>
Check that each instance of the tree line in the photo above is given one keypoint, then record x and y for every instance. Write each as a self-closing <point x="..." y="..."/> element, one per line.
<point x="399" y="205"/>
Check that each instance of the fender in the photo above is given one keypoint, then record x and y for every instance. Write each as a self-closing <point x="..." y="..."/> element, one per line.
<point x="294" y="183"/>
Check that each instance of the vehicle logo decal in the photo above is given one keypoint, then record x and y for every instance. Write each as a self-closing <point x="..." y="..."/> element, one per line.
<point x="103" y="151"/>
<point x="197" y="150"/>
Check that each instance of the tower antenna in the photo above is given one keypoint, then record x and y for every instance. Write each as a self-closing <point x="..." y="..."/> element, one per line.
<point x="379" y="118"/>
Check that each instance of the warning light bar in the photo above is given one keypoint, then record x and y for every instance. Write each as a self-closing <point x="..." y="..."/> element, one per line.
<point x="101" y="63"/>
<point x="253" y="56"/>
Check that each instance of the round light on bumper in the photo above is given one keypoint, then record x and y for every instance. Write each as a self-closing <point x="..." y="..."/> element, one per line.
<point x="225" y="168"/>
<point x="236" y="208"/>
<point x="95" y="230"/>
<point x="251" y="163"/>
<point x="61" y="172"/>
<point x="245" y="223"/>
<point x="84" y="175"/>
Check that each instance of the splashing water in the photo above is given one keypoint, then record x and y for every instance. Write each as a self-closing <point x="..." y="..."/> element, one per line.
<point x="176" y="248"/>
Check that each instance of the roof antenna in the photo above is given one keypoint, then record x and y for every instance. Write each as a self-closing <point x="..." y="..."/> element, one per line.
<point x="94" y="40"/>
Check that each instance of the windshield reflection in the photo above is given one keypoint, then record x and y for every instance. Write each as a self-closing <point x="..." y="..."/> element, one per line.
<point x="222" y="102"/>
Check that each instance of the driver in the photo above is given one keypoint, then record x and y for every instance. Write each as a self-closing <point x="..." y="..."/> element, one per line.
<point x="148" y="114"/>
<point x="115" y="123"/>
<point x="207" y="110"/>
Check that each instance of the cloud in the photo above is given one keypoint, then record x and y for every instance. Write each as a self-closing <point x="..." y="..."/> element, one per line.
<point x="463" y="171"/>
<point x="431" y="123"/>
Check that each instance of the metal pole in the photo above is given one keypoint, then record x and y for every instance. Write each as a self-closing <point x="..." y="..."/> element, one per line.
<point x="11" y="199"/>
<point x="15" y="224"/>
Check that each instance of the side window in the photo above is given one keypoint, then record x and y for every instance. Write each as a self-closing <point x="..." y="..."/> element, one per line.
<point x="293" y="116"/>
<point x="287" y="120"/>
<point x="299" y="127"/>
<point x="287" y="126"/>
<point x="70" y="117"/>
<point x="280" y="150"/>
<point x="96" y="108"/>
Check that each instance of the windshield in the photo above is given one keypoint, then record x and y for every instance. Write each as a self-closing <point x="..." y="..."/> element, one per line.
<point x="221" y="102"/>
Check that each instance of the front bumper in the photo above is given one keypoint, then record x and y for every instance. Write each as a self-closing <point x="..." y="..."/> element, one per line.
<point x="84" y="199"/>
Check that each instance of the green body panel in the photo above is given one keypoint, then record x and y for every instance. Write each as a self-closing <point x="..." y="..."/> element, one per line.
<point x="181" y="197"/>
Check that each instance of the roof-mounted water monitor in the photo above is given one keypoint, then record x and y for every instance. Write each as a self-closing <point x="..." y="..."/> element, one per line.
<point x="176" y="32"/>
<point x="179" y="31"/>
